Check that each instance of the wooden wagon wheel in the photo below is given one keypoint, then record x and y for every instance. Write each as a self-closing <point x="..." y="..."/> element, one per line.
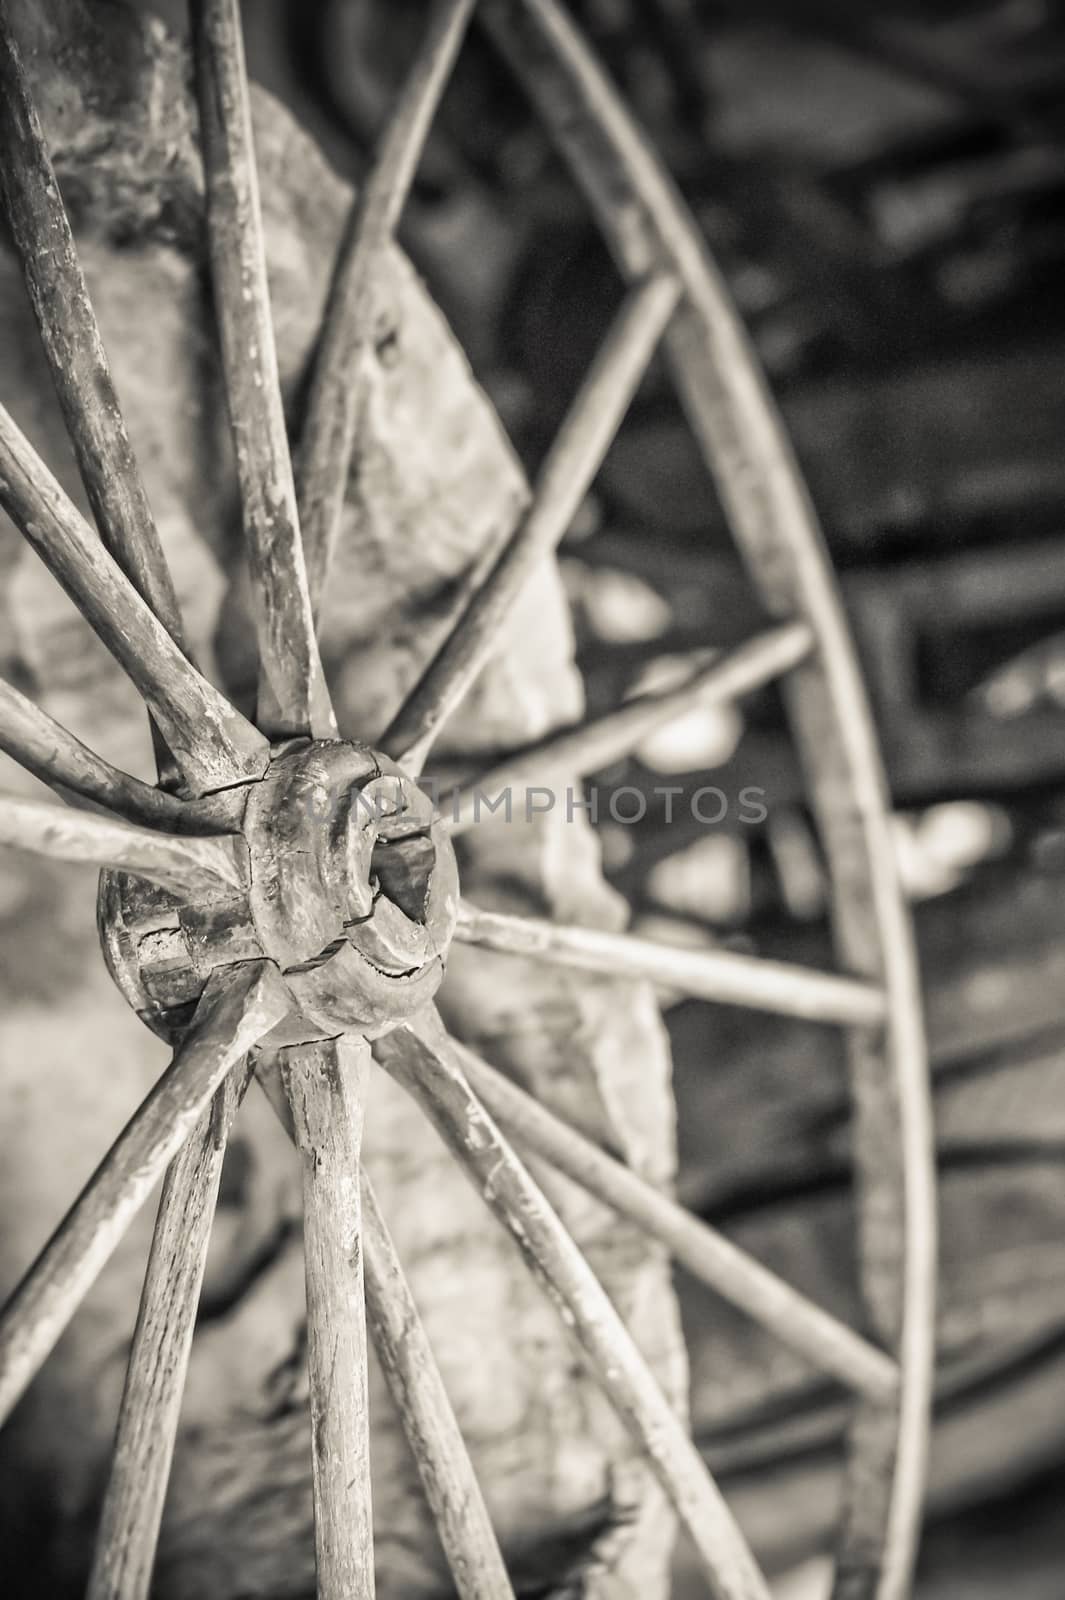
<point x="281" y="905"/>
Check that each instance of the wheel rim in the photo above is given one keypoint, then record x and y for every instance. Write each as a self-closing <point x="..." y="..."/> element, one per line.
<point x="742" y="439"/>
<point x="237" y="1003"/>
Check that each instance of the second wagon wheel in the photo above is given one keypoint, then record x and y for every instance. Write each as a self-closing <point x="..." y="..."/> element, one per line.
<point x="282" y="905"/>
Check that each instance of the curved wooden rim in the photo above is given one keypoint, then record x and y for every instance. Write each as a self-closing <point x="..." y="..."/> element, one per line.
<point x="739" y="431"/>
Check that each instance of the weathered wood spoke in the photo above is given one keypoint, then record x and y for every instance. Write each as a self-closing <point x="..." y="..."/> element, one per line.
<point x="721" y="975"/>
<point x="436" y="1442"/>
<point x="73" y="347"/>
<point x="187" y="866"/>
<point x="123" y="588"/>
<point x="417" y="1389"/>
<point x="159" y="1356"/>
<point x="293" y="698"/>
<point x="825" y="1341"/>
<point x="424" y="1064"/>
<point x="325" y="1086"/>
<point x="744" y="445"/>
<point x="72" y="343"/>
<point x="592" y="745"/>
<point x="571" y="465"/>
<point x="239" y="1006"/>
<point x="213" y="744"/>
<point x="48" y="750"/>
<point x="328" y="437"/>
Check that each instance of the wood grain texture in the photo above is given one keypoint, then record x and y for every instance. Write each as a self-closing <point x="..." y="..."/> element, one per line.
<point x="72" y="344"/>
<point x="75" y="353"/>
<point x="52" y="753"/>
<point x="744" y="446"/>
<point x="242" y="1497"/>
<point x="417" y="1390"/>
<point x="239" y="1005"/>
<point x="825" y="1341"/>
<point x="589" y="746"/>
<point x="328" y="439"/>
<point x="572" y="463"/>
<point x="325" y="1085"/>
<point x="725" y="976"/>
<point x="423" y="1063"/>
<point x="186" y="866"/>
<point x="293" y="698"/>
<point x="159" y="1356"/>
<point x="436" y="1442"/>
<point x="213" y="744"/>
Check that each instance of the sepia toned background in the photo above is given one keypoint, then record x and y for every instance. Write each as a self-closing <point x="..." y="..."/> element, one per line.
<point x="886" y="195"/>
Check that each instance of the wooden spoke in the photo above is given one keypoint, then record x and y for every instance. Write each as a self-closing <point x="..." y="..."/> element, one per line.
<point x="744" y="445"/>
<point x="416" y="1387"/>
<point x="239" y="1005"/>
<point x="564" y="479"/>
<point x="425" y="1066"/>
<point x="592" y="745"/>
<point x="721" y="975"/>
<point x="325" y="1085"/>
<point x="328" y="438"/>
<point x="45" y="748"/>
<point x="293" y="698"/>
<point x="186" y="866"/>
<point x="159" y="1357"/>
<point x="826" y="1342"/>
<point x="76" y="357"/>
<point x="436" y="1442"/>
<point x="212" y="742"/>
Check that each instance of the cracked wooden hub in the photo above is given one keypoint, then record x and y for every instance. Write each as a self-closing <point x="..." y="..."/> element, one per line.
<point x="349" y="884"/>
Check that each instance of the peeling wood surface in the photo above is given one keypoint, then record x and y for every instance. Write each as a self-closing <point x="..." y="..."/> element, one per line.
<point x="155" y="1379"/>
<point x="293" y="698"/>
<point x="433" y="502"/>
<point x="71" y="339"/>
<point x="76" y="356"/>
<point x="213" y="744"/>
<point x="189" y="867"/>
<point x="48" y="750"/>
<point x="326" y="1089"/>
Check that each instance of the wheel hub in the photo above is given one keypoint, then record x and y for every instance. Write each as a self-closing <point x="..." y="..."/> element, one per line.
<point x="350" y="885"/>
